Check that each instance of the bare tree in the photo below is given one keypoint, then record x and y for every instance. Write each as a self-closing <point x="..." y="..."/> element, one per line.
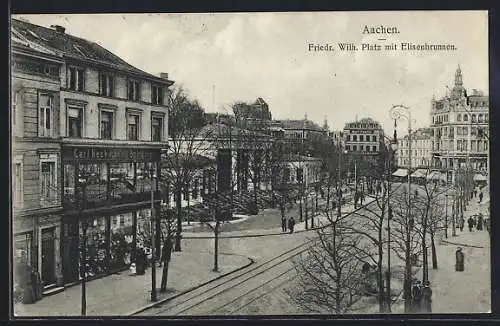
<point x="189" y="139"/>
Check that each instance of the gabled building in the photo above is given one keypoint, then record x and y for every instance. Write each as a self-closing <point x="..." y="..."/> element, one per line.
<point x="106" y="123"/>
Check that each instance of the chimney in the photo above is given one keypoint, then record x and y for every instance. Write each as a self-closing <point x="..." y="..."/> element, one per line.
<point x="58" y="28"/>
<point x="164" y="75"/>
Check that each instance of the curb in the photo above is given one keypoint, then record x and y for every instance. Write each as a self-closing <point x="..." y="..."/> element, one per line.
<point x="159" y="302"/>
<point x="461" y="244"/>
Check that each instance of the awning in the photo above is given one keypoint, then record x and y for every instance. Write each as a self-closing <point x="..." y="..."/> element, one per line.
<point x="434" y="175"/>
<point x="419" y="173"/>
<point x="479" y="177"/>
<point x="400" y="173"/>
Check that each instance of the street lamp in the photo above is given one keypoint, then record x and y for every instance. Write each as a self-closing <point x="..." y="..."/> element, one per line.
<point x="153" y="240"/>
<point x="82" y="182"/>
<point x="398" y="112"/>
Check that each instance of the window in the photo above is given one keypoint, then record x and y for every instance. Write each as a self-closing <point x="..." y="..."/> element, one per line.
<point x="348" y="147"/>
<point x="354" y="148"/>
<point x="480" y="118"/>
<point x="300" y="175"/>
<point x="133" y="124"/>
<point x="156" y="128"/>
<point x="76" y="80"/>
<point x="374" y="148"/>
<point x="15" y="101"/>
<point x="486" y="117"/>
<point x="106" y="124"/>
<point x="48" y="188"/>
<point x="106" y="84"/>
<point x="45" y="122"/>
<point x="17" y="182"/>
<point x="446" y="118"/>
<point x="459" y="117"/>
<point x="360" y="137"/>
<point x="157" y="93"/>
<point x="133" y="90"/>
<point x="348" y="137"/>
<point x="75" y="122"/>
<point x="354" y="138"/>
<point x="22" y="247"/>
<point x="466" y="117"/>
<point x="473" y="117"/>
<point x="374" y="138"/>
<point x="361" y="147"/>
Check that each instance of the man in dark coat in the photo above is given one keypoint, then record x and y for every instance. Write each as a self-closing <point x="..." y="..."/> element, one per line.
<point x="427" y="298"/>
<point x="291" y="224"/>
<point x="459" y="260"/>
<point x="283" y="224"/>
<point x="470" y="221"/>
<point x="480" y="222"/>
<point x="417" y="297"/>
<point x="480" y="196"/>
<point x="461" y="224"/>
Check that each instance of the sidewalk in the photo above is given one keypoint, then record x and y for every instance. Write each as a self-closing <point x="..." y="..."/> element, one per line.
<point x="120" y="294"/>
<point x="462" y="292"/>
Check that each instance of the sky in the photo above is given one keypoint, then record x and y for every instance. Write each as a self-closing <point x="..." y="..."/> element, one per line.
<point x="227" y="57"/>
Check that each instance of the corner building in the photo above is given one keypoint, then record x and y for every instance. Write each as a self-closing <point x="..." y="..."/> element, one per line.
<point x="112" y="122"/>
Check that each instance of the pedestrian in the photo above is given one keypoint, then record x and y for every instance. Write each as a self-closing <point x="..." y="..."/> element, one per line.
<point x="362" y="198"/>
<point x="461" y="224"/>
<point x="459" y="260"/>
<point x="417" y="297"/>
<point x="427" y="298"/>
<point x="480" y="222"/>
<point x="291" y="224"/>
<point x="283" y="224"/>
<point x="470" y="221"/>
<point x="481" y="196"/>
<point x="475" y="192"/>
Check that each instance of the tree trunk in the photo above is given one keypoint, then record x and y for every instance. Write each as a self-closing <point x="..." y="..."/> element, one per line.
<point x="164" y="277"/>
<point x="300" y="209"/>
<point x="425" y="264"/>
<point x="408" y="275"/>
<point x="305" y="211"/>
<point x="178" y="206"/>
<point x="434" y="253"/>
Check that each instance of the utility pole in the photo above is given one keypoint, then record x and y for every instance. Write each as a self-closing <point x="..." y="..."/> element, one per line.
<point x="83" y="246"/>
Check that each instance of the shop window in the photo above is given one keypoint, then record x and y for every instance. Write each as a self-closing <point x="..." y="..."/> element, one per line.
<point x="48" y="183"/>
<point x="76" y="79"/>
<point x="22" y="251"/>
<point x="107" y="124"/>
<point x="75" y="122"/>
<point x="17" y="181"/>
<point x="133" y="125"/>
<point x="157" y="93"/>
<point x="106" y="84"/>
<point x="45" y="115"/>
<point x="156" y="127"/>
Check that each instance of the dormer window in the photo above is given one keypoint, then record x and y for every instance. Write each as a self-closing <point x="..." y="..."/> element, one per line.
<point x="157" y="94"/>
<point x="76" y="79"/>
<point x="133" y="90"/>
<point x="106" y="84"/>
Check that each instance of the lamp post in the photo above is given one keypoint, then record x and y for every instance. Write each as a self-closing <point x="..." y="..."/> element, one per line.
<point x="82" y="181"/>
<point x="398" y="112"/>
<point x="153" y="242"/>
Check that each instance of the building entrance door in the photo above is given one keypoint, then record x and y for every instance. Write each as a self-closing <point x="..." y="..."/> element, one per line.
<point x="48" y="261"/>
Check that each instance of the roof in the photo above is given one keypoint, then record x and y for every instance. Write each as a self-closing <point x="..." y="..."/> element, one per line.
<point x="48" y="40"/>
<point x="300" y="124"/>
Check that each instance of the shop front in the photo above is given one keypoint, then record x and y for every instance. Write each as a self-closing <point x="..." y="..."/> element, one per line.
<point x="107" y="192"/>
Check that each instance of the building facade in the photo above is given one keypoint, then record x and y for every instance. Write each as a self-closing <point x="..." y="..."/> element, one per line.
<point x="363" y="137"/>
<point x="36" y="159"/>
<point x="421" y="150"/>
<point x="107" y="121"/>
<point x="460" y="128"/>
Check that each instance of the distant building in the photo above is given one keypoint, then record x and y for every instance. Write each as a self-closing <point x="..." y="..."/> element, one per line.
<point x="421" y="150"/>
<point x="459" y="125"/>
<point x="299" y="134"/>
<point x="364" y="137"/>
